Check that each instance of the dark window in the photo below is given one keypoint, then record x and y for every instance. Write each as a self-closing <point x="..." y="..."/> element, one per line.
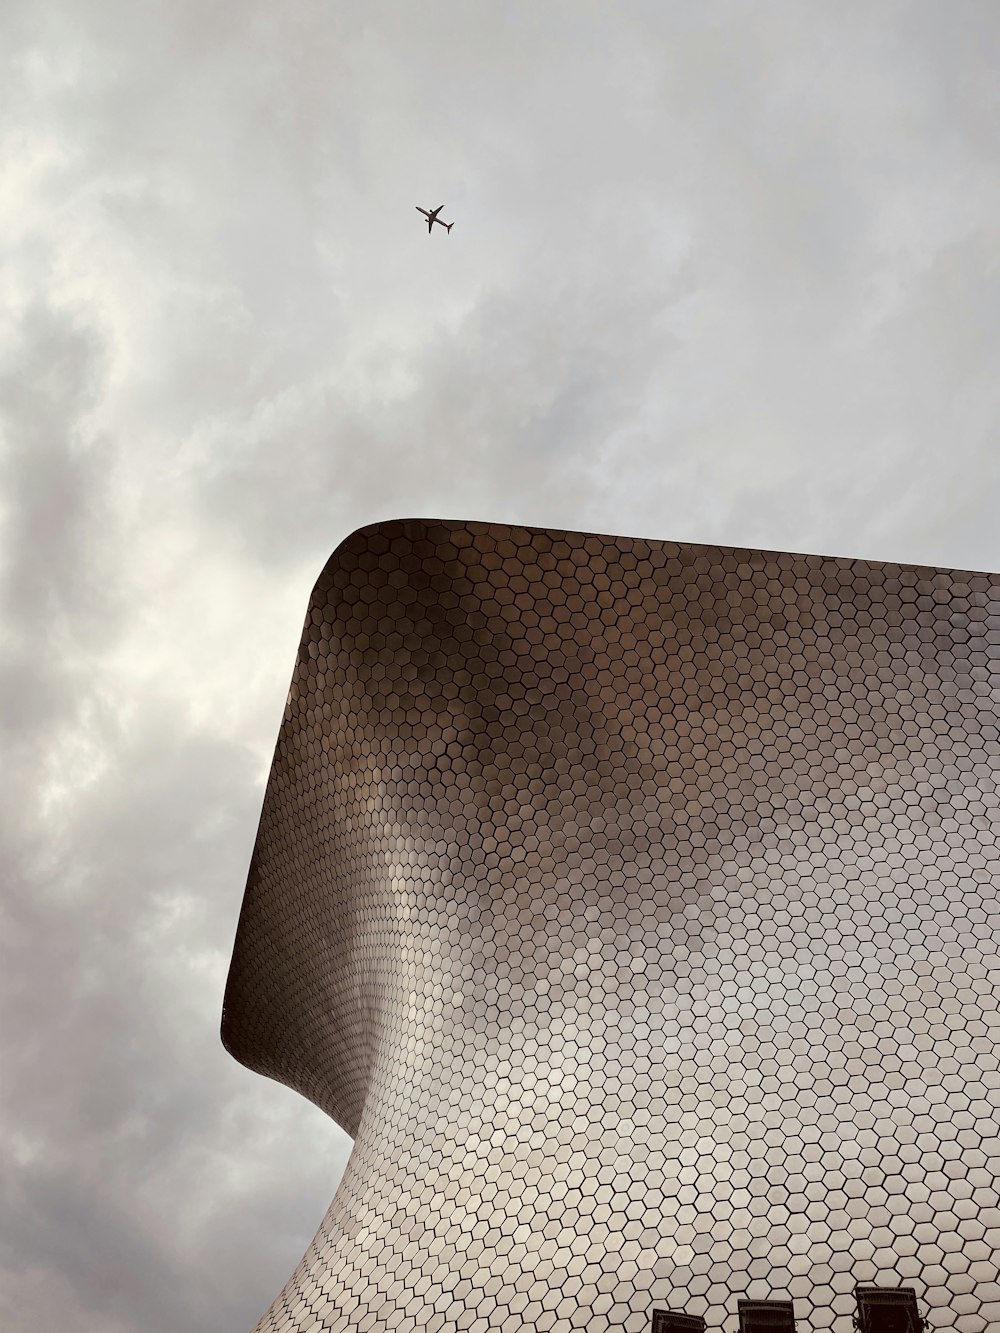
<point x="766" y="1317"/>
<point x="669" y="1321"/>
<point x="887" y="1310"/>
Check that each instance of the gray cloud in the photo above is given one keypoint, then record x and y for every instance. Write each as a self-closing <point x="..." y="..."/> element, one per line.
<point x="723" y="273"/>
<point x="127" y="1130"/>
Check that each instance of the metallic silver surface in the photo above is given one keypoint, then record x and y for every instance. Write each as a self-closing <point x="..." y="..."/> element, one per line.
<point x="634" y="905"/>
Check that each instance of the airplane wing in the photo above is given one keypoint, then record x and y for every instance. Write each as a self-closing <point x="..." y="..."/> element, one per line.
<point x="430" y="223"/>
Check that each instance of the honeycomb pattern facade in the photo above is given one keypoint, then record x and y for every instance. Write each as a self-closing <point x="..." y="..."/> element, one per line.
<point x="634" y="906"/>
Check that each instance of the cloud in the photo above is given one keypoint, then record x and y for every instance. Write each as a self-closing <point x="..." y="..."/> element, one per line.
<point x="718" y="273"/>
<point x="132" y="1138"/>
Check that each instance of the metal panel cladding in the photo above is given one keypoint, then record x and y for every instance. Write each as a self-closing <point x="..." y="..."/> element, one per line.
<point x="634" y="905"/>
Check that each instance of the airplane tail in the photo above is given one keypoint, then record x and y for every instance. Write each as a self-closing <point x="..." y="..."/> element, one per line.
<point x="449" y="225"/>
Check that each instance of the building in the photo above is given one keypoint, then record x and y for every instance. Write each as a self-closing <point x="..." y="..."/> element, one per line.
<point x="633" y="904"/>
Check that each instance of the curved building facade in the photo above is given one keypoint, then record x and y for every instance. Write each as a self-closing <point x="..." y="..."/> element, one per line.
<point x="634" y="906"/>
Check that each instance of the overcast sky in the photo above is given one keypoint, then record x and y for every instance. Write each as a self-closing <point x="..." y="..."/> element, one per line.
<point x="722" y="271"/>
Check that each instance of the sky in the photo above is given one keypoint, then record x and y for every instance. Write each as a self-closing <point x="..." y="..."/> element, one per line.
<point x="720" y="272"/>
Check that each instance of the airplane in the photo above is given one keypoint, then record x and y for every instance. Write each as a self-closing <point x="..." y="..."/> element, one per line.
<point x="432" y="217"/>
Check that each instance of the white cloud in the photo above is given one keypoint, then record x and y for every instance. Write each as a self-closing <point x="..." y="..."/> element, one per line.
<point x="720" y="273"/>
